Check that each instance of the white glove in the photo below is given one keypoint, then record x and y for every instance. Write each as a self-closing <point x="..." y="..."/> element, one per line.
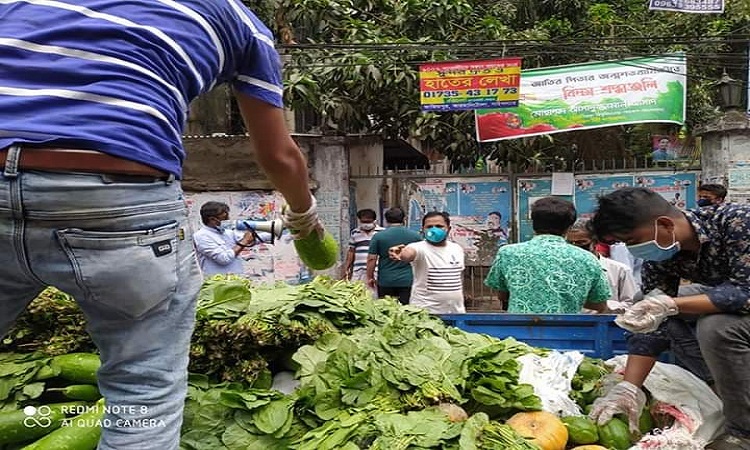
<point x="646" y="315"/>
<point x="304" y="223"/>
<point x="625" y="398"/>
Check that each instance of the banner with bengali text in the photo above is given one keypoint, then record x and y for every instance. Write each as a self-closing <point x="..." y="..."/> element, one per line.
<point x="591" y="95"/>
<point x="466" y="85"/>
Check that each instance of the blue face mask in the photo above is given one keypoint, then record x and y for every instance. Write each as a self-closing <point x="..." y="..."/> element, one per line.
<point x="652" y="251"/>
<point x="435" y="235"/>
<point x="704" y="202"/>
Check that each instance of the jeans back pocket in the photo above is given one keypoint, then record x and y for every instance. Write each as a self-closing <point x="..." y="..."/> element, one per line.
<point x="131" y="272"/>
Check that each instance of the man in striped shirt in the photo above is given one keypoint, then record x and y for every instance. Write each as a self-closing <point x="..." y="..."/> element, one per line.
<point x="355" y="266"/>
<point x="94" y="95"/>
<point x="438" y="267"/>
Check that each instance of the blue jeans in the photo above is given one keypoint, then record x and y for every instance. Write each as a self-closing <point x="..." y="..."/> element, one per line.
<point x="124" y="251"/>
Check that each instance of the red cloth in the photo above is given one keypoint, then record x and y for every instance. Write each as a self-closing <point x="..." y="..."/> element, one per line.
<point x="602" y="249"/>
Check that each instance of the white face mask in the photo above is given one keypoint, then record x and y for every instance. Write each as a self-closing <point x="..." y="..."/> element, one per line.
<point x="367" y="226"/>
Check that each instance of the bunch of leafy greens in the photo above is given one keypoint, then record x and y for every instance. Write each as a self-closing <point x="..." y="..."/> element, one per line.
<point x="588" y="382"/>
<point x="52" y="324"/>
<point x="373" y="374"/>
<point x="376" y="377"/>
<point x="232" y="417"/>
<point x="20" y="378"/>
<point x="242" y="330"/>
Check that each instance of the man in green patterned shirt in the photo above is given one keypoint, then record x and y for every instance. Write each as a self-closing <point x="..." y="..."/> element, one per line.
<point x="546" y="275"/>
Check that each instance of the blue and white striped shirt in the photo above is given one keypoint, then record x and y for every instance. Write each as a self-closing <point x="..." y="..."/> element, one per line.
<point x="118" y="75"/>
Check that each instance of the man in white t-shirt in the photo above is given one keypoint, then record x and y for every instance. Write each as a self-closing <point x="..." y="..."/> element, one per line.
<point x="438" y="267"/>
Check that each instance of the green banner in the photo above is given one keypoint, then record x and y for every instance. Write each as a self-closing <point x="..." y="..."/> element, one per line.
<point x="591" y="95"/>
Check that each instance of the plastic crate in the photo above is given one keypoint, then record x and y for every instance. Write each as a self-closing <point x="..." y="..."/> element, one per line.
<point x="594" y="335"/>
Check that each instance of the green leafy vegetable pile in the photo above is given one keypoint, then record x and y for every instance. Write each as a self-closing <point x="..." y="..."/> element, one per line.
<point x="371" y="374"/>
<point x="52" y="324"/>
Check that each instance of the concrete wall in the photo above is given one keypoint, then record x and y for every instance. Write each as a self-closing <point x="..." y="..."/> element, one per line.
<point x="227" y="163"/>
<point x="330" y="168"/>
<point x="224" y="169"/>
<point x="725" y="156"/>
<point x="366" y="158"/>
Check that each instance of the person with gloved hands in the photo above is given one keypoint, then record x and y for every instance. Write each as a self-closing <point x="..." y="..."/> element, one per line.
<point x="710" y="246"/>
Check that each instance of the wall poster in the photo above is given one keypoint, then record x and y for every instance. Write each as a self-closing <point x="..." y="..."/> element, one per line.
<point x="264" y="263"/>
<point x="677" y="188"/>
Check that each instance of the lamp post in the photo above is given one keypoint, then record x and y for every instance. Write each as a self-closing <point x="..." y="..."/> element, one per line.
<point x="730" y="93"/>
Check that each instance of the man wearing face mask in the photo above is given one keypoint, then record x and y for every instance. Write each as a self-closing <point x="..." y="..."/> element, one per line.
<point x="437" y="265"/>
<point x="218" y="249"/>
<point x="619" y="275"/>
<point x="355" y="266"/>
<point x="711" y="194"/>
<point x="709" y="246"/>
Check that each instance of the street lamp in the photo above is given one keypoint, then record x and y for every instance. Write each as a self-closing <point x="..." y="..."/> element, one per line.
<point x="730" y="92"/>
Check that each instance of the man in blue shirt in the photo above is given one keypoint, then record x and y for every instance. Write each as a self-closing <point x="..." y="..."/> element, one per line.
<point x="218" y="248"/>
<point x="94" y="95"/>
<point x="709" y="246"/>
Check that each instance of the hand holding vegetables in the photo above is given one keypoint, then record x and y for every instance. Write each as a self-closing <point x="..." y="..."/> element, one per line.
<point x="625" y="398"/>
<point x="315" y="247"/>
<point x="646" y="315"/>
<point x="302" y="224"/>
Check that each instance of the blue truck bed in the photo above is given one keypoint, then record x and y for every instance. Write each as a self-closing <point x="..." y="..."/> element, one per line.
<point x="594" y="335"/>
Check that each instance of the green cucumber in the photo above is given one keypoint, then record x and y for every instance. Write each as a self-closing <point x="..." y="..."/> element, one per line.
<point x="77" y="367"/>
<point x="29" y="423"/>
<point x="82" y="432"/>
<point x="87" y="392"/>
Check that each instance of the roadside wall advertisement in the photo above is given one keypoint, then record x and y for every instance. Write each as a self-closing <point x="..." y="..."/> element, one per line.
<point x="264" y="263"/>
<point x="466" y="85"/>
<point x="591" y="95"/>
<point x="677" y="188"/>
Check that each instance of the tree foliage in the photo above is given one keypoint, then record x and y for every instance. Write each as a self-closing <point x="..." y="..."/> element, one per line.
<point x="354" y="62"/>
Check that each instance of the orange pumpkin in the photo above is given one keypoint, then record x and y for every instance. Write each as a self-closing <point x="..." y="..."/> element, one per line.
<point x="589" y="447"/>
<point x="542" y="428"/>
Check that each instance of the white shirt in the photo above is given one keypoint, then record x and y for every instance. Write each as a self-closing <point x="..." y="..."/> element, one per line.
<point x="622" y="283"/>
<point x="438" y="278"/>
<point x="216" y="250"/>
<point x="620" y="253"/>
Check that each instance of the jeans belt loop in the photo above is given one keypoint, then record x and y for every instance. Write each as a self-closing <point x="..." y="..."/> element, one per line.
<point x="170" y="179"/>
<point x="11" y="161"/>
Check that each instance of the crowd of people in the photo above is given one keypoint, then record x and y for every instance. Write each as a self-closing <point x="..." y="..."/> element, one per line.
<point x="92" y="155"/>
<point x="681" y="282"/>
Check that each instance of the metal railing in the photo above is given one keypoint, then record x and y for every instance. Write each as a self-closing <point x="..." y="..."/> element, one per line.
<point x="477" y="296"/>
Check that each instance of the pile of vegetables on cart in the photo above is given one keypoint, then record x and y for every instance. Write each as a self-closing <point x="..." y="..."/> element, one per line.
<point x="311" y="367"/>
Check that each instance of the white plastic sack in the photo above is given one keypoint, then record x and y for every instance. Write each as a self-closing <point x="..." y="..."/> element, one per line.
<point x="682" y="395"/>
<point x="551" y="376"/>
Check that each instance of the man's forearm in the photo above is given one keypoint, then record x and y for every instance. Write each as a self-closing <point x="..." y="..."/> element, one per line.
<point x="637" y="369"/>
<point x="600" y="307"/>
<point x="696" y="304"/>
<point x="348" y="263"/>
<point x="287" y="170"/>
<point x="276" y="151"/>
<point x="371" y="267"/>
